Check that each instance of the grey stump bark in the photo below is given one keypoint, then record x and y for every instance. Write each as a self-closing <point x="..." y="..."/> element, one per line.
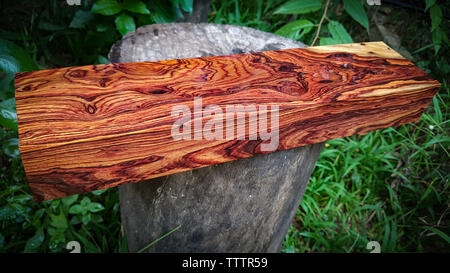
<point x="242" y="206"/>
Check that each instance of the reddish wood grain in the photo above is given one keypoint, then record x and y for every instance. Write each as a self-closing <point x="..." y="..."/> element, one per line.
<point x="93" y="127"/>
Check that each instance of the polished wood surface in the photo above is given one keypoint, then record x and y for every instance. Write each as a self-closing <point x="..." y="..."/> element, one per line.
<point x="93" y="127"/>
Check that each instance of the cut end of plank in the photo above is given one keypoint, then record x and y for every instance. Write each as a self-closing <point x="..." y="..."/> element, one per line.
<point x="366" y="49"/>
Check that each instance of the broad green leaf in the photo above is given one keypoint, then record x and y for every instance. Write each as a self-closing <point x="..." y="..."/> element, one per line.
<point x="299" y="7"/>
<point x="11" y="147"/>
<point x="135" y="6"/>
<point x="125" y="23"/>
<point x="76" y="209"/>
<point x="7" y="213"/>
<point x="34" y="242"/>
<point x="75" y="220"/>
<point x="86" y="218"/>
<point x="355" y="8"/>
<point x="99" y="192"/>
<point x="436" y="36"/>
<point x="69" y="200"/>
<point x="291" y="29"/>
<point x="8" y="64"/>
<point x="436" y="16"/>
<point x="7" y="86"/>
<point x="96" y="218"/>
<point x="186" y="5"/>
<point x="162" y="11"/>
<point x="106" y="7"/>
<point x="22" y="59"/>
<point x="8" y="115"/>
<point x="102" y="60"/>
<point x="429" y="3"/>
<point x="85" y="201"/>
<point x="95" y="207"/>
<point x="58" y="221"/>
<point x="339" y="33"/>
<point x="21" y="198"/>
<point x="57" y="239"/>
<point x="80" y="19"/>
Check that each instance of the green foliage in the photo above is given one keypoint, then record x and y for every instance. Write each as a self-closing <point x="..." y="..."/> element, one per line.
<point x="81" y="19"/>
<point x="14" y="59"/>
<point x="338" y="33"/>
<point x="295" y="29"/>
<point x="125" y="23"/>
<point x="356" y="10"/>
<point x="135" y="6"/>
<point x="299" y="7"/>
<point x="130" y="13"/>
<point x="438" y="35"/>
<point x="436" y="16"/>
<point x="107" y="7"/>
<point x="8" y="115"/>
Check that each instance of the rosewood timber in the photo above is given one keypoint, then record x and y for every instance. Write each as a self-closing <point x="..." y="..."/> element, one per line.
<point x="93" y="127"/>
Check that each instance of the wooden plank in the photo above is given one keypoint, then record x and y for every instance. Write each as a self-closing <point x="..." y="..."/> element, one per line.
<point x="93" y="127"/>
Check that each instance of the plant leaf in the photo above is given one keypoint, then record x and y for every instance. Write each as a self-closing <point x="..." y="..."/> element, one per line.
<point x="106" y="7"/>
<point x="436" y="36"/>
<point x="95" y="207"/>
<point x="102" y="60"/>
<point x="11" y="147"/>
<point x="8" y="64"/>
<point x="299" y="7"/>
<point x="85" y="201"/>
<point x="186" y="5"/>
<point x="162" y="11"/>
<point x="99" y="192"/>
<point x="125" y="23"/>
<point x="355" y="8"/>
<point x="135" y="6"/>
<point x="8" y="115"/>
<point x="429" y="3"/>
<point x="86" y="218"/>
<point x="439" y="233"/>
<point x="7" y="86"/>
<point x="436" y="16"/>
<point x="80" y="19"/>
<point x="22" y="60"/>
<point x="291" y="29"/>
<point x="59" y="221"/>
<point x="339" y="33"/>
<point x="76" y="209"/>
<point x="69" y="200"/>
<point x="34" y="242"/>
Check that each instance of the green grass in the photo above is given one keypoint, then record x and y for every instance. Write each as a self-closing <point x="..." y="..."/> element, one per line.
<point x="389" y="186"/>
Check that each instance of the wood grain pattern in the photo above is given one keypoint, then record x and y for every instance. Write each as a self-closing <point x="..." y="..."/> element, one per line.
<point x="93" y="127"/>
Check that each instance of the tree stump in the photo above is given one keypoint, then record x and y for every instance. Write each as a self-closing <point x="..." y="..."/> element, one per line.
<point x="240" y="206"/>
